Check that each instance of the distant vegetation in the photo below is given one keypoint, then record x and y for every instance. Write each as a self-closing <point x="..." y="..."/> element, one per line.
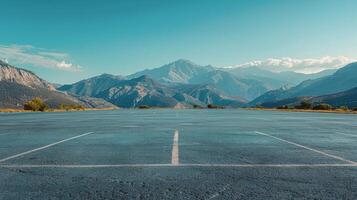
<point x="306" y="105"/>
<point x="283" y="107"/>
<point x="197" y="107"/>
<point x="36" y="104"/>
<point x="322" y="107"/>
<point x="143" y="107"/>
<point x="71" y="107"/>
<point x="211" y="106"/>
<point x="344" y="108"/>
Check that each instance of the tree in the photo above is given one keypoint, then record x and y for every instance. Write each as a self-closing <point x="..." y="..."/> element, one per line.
<point x="36" y="104"/>
<point x="195" y="106"/>
<point x="143" y="107"/>
<point x="283" y="107"/>
<point x="322" y="107"/>
<point x="212" y="106"/>
<point x="71" y="107"/>
<point x="304" y="105"/>
<point x="344" y="108"/>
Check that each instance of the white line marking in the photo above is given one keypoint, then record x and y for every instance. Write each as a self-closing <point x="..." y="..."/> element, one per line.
<point x="308" y="148"/>
<point x="351" y="135"/>
<point x="184" y="165"/>
<point x="175" y="149"/>
<point x="44" y="147"/>
<point x="220" y="191"/>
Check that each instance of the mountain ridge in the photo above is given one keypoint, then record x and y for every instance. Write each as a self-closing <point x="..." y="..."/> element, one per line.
<point x="18" y="86"/>
<point x="146" y="91"/>
<point x="343" y="79"/>
<point x="243" y="82"/>
<point x="22" y="76"/>
<point x="181" y="83"/>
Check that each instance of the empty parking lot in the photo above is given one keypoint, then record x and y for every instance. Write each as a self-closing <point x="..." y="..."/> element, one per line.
<point x="178" y="154"/>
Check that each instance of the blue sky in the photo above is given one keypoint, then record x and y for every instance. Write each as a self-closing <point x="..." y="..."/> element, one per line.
<point x="64" y="41"/>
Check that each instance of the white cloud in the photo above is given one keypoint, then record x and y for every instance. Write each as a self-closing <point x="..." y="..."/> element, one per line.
<point x="54" y="54"/>
<point x="38" y="57"/>
<point x="64" y="65"/>
<point x="309" y="65"/>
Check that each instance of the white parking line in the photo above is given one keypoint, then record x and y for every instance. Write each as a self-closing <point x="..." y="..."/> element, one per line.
<point x="308" y="148"/>
<point x="184" y="165"/>
<point x="44" y="147"/>
<point x="175" y="149"/>
<point x="215" y="195"/>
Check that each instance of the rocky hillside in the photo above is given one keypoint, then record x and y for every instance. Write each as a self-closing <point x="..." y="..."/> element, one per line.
<point x="231" y="85"/>
<point x="346" y="98"/>
<point x="139" y="91"/>
<point x="147" y="91"/>
<point x="18" y="86"/>
<point x="92" y="86"/>
<point x="14" y="95"/>
<point x="187" y="72"/>
<point x="342" y="80"/>
<point x="180" y="71"/>
<point x="23" y="77"/>
<point x="276" y="79"/>
<point x="248" y="83"/>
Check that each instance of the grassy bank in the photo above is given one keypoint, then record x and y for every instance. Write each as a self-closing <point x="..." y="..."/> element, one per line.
<point x="305" y="110"/>
<point x="14" y="110"/>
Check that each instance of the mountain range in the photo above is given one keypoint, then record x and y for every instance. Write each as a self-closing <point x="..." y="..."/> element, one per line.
<point x="147" y="91"/>
<point x="181" y="84"/>
<point x="18" y="86"/>
<point x="276" y="79"/>
<point x="247" y="83"/>
<point x="342" y="80"/>
<point x="346" y="98"/>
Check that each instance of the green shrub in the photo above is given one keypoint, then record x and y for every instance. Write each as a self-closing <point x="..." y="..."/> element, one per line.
<point x="143" y="107"/>
<point x="322" y="107"/>
<point x="211" y="106"/>
<point x="283" y="107"/>
<point x="304" y="105"/>
<point x="36" y="104"/>
<point x="71" y="107"/>
<point x="344" y="108"/>
<point x="197" y="106"/>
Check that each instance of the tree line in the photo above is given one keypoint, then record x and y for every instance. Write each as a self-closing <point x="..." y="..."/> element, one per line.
<point x="37" y="104"/>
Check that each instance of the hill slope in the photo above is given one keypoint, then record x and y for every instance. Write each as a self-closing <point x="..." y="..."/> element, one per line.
<point x="18" y="86"/>
<point x="343" y="79"/>
<point x="92" y="86"/>
<point x="186" y="72"/>
<point x="22" y="77"/>
<point x="180" y="71"/>
<point x="139" y="91"/>
<point x="14" y="95"/>
<point x="346" y="98"/>
<point x="276" y="79"/>
<point x="147" y="91"/>
<point x="231" y="85"/>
